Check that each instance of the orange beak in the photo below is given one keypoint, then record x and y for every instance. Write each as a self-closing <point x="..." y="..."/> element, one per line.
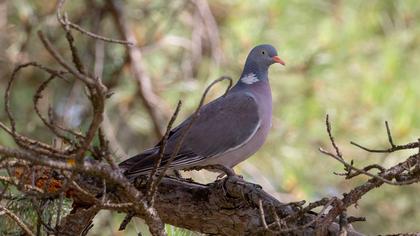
<point x="277" y="59"/>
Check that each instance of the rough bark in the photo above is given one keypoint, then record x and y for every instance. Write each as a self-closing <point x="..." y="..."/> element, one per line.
<point x="226" y="207"/>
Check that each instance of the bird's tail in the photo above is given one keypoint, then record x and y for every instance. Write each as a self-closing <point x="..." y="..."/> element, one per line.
<point x="139" y="164"/>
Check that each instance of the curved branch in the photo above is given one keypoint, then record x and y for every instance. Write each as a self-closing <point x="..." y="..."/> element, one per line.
<point x="18" y="221"/>
<point x="230" y="206"/>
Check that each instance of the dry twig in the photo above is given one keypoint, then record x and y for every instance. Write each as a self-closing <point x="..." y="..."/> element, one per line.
<point x="18" y="221"/>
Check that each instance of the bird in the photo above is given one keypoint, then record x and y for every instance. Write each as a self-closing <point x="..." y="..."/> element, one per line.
<point x="228" y="130"/>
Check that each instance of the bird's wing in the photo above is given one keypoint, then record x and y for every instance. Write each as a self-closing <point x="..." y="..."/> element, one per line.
<point x="222" y="125"/>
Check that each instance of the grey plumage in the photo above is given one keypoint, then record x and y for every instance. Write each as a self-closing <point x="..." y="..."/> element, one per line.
<point x="228" y="129"/>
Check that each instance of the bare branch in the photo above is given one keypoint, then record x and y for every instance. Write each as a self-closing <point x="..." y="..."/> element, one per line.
<point x="327" y="123"/>
<point x="193" y="118"/>
<point x="262" y="215"/>
<point x="151" y="181"/>
<point x="53" y="127"/>
<point x="18" y="221"/>
<point x="393" y="147"/>
<point x="349" y="166"/>
<point x="385" y="176"/>
<point x="47" y="44"/>
<point x="66" y="23"/>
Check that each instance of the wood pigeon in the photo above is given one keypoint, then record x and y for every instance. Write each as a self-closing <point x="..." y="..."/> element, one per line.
<point x="228" y="130"/>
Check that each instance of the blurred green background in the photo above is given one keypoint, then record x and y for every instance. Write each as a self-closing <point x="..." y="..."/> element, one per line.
<point x="356" y="60"/>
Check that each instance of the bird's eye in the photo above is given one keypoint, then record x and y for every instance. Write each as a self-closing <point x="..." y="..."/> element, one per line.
<point x="263" y="52"/>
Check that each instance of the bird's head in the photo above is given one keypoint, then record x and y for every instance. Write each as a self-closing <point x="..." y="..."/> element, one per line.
<point x="259" y="59"/>
<point x="264" y="55"/>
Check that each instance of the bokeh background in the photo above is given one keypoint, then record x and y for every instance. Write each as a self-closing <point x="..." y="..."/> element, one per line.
<point x="356" y="60"/>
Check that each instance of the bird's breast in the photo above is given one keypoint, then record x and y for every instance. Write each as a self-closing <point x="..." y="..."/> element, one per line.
<point x="262" y="95"/>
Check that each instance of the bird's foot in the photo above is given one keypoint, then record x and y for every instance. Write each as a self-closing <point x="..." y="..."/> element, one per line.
<point x="257" y="186"/>
<point x="224" y="174"/>
<point x="215" y="168"/>
<point x="178" y="176"/>
<point x="229" y="172"/>
<point x="220" y="176"/>
<point x="223" y="170"/>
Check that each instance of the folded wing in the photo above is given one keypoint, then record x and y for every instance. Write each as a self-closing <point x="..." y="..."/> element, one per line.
<point x="222" y="125"/>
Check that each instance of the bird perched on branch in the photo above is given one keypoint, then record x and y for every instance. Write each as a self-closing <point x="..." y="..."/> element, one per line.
<point x="228" y="130"/>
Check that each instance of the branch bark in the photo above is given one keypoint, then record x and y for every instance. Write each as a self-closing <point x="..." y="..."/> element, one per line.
<point x="226" y="207"/>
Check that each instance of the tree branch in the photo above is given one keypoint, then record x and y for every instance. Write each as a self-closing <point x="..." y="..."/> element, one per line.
<point x="16" y="218"/>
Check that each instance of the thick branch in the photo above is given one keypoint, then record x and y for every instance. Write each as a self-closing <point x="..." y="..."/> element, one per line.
<point x="225" y="207"/>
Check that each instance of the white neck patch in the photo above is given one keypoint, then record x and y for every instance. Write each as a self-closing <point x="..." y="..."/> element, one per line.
<point x="249" y="78"/>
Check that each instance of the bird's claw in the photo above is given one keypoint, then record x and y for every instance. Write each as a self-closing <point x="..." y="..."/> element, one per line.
<point x="229" y="172"/>
<point x="257" y="186"/>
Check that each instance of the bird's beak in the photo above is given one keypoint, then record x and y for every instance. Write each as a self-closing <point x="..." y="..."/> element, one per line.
<point x="277" y="59"/>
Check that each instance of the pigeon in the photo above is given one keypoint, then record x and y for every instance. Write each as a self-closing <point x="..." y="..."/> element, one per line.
<point x="228" y="130"/>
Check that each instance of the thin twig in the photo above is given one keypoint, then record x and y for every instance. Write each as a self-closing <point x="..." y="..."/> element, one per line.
<point x="392" y="148"/>
<point x="67" y="23"/>
<point x="358" y="171"/>
<point x="310" y="223"/>
<point x="126" y="220"/>
<point x="22" y="141"/>
<point x="53" y="52"/>
<point x="18" y="221"/>
<point x="389" y="150"/>
<point x="104" y="149"/>
<point x="352" y="219"/>
<point x="17" y="183"/>
<point x="388" y="132"/>
<point x="96" y="88"/>
<point x="184" y="134"/>
<point x="306" y="209"/>
<point x="349" y="167"/>
<point x="151" y="180"/>
<point x="51" y="126"/>
<point x="74" y="53"/>
<point x="59" y="209"/>
<point x="366" y="168"/>
<point x="327" y="123"/>
<point x="279" y="222"/>
<point x="262" y="215"/>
